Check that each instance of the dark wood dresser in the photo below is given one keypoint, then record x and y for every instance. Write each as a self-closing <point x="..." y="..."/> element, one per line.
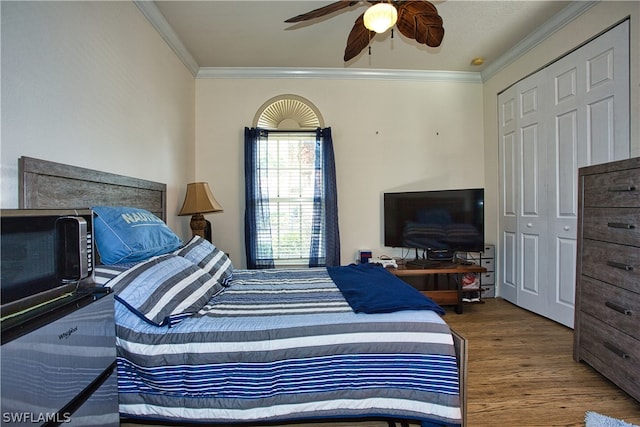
<point x="607" y="310"/>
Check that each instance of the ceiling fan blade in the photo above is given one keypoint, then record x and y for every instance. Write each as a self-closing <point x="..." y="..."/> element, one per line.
<point x="359" y="38"/>
<point x="419" y="20"/>
<point x="322" y="11"/>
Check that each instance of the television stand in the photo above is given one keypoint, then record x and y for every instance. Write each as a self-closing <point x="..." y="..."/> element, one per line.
<point x="444" y="296"/>
<point x="423" y="263"/>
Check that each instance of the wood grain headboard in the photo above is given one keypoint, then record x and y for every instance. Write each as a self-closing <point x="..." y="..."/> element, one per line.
<point x="50" y="185"/>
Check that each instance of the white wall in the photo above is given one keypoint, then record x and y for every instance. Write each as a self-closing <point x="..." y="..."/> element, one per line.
<point x="594" y="21"/>
<point x="76" y="89"/>
<point x="94" y="85"/>
<point x="388" y="136"/>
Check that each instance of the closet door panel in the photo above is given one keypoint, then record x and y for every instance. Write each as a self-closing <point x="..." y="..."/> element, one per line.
<point x="563" y="207"/>
<point x="530" y="192"/>
<point x="509" y="160"/>
<point x="600" y="134"/>
<point x="605" y="61"/>
<point x="510" y="183"/>
<point x="566" y="151"/>
<point x="566" y="272"/>
<point x="530" y="281"/>
<point x="585" y="90"/>
<point x="509" y="263"/>
<point x="566" y="86"/>
<point x="532" y="215"/>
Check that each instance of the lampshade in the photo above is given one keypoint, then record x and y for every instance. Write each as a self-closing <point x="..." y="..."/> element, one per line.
<point x="199" y="199"/>
<point x="380" y="17"/>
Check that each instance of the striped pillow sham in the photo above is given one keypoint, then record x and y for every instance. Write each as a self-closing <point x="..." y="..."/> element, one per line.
<point x="208" y="257"/>
<point x="165" y="289"/>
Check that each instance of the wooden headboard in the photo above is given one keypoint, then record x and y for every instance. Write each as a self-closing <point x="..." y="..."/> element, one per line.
<point x="50" y="185"/>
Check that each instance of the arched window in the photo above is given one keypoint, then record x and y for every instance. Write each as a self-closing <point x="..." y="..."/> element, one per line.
<point x="291" y="203"/>
<point x="288" y="112"/>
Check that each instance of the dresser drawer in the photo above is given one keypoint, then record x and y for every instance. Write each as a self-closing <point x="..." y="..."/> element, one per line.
<point x="613" y="189"/>
<point x="612" y="263"/>
<point x="616" y="225"/>
<point x="613" y="353"/>
<point x="614" y="306"/>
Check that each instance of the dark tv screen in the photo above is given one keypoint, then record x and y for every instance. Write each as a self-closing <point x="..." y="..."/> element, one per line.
<point x="450" y="220"/>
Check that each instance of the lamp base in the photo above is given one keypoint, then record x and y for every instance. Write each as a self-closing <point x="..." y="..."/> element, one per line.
<point x="207" y="231"/>
<point x="198" y="224"/>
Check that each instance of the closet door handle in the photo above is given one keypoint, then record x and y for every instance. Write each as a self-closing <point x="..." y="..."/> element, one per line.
<point x="620" y="265"/>
<point x="616" y="350"/>
<point x="622" y="188"/>
<point x="621" y="225"/>
<point x="619" y="308"/>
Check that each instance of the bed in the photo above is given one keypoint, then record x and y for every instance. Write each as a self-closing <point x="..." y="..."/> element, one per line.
<point x="260" y="346"/>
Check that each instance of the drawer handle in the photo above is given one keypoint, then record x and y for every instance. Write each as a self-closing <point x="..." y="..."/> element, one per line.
<point x="620" y="265"/>
<point x="619" y="308"/>
<point x="622" y="188"/>
<point x="616" y="350"/>
<point x="621" y="225"/>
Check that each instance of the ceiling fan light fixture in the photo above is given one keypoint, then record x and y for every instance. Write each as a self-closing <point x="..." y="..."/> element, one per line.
<point x="380" y="17"/>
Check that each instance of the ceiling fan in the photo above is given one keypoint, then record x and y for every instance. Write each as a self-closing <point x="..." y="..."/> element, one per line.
<point x="418" y="20"/>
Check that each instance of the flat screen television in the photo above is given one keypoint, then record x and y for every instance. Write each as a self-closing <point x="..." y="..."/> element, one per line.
<point x="439" y="222"/>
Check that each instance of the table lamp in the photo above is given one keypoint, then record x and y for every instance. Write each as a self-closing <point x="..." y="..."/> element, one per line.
<point x="198" y="201"/>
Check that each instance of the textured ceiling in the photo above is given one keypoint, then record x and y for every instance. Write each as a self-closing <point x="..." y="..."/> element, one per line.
<point x="253" y="34"/>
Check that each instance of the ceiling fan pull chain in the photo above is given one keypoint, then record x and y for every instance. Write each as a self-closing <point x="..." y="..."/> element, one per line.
<point x="392" y="33"/>
<point x="369" y="50"/>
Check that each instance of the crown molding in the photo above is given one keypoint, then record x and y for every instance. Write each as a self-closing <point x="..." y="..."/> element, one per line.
<point x="566" y="15"/>
<point x="157" y="19"/>
<point x="337" y="73"/>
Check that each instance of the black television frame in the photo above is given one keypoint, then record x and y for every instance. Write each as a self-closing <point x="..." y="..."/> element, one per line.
<point x="465" y="208"/>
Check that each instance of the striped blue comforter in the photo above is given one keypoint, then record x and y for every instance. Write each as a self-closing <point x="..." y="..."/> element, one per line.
<point x="282" y="345"/>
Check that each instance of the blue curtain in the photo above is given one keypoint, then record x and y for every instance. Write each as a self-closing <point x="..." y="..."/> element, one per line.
<point x="325" y="243"/>
<point x="257" y="226"/>
<point x="325" y="240"/>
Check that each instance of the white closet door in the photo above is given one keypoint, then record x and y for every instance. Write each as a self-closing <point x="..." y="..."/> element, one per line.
<point x="573" y="113"/>
<point x="566" y="136"/>
<point x="532" y="234"/>
<point x="588" y="88"/>
<point x="509" y="153"/>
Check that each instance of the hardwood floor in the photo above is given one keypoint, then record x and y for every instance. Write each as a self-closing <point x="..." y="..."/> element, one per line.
<point x="521" y="371"/>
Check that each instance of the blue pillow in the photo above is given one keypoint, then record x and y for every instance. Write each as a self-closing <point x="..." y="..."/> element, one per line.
<point x="125" y="234"/>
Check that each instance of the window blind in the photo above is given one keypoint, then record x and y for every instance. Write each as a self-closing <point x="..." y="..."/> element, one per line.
<point x="288" y="161"/>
